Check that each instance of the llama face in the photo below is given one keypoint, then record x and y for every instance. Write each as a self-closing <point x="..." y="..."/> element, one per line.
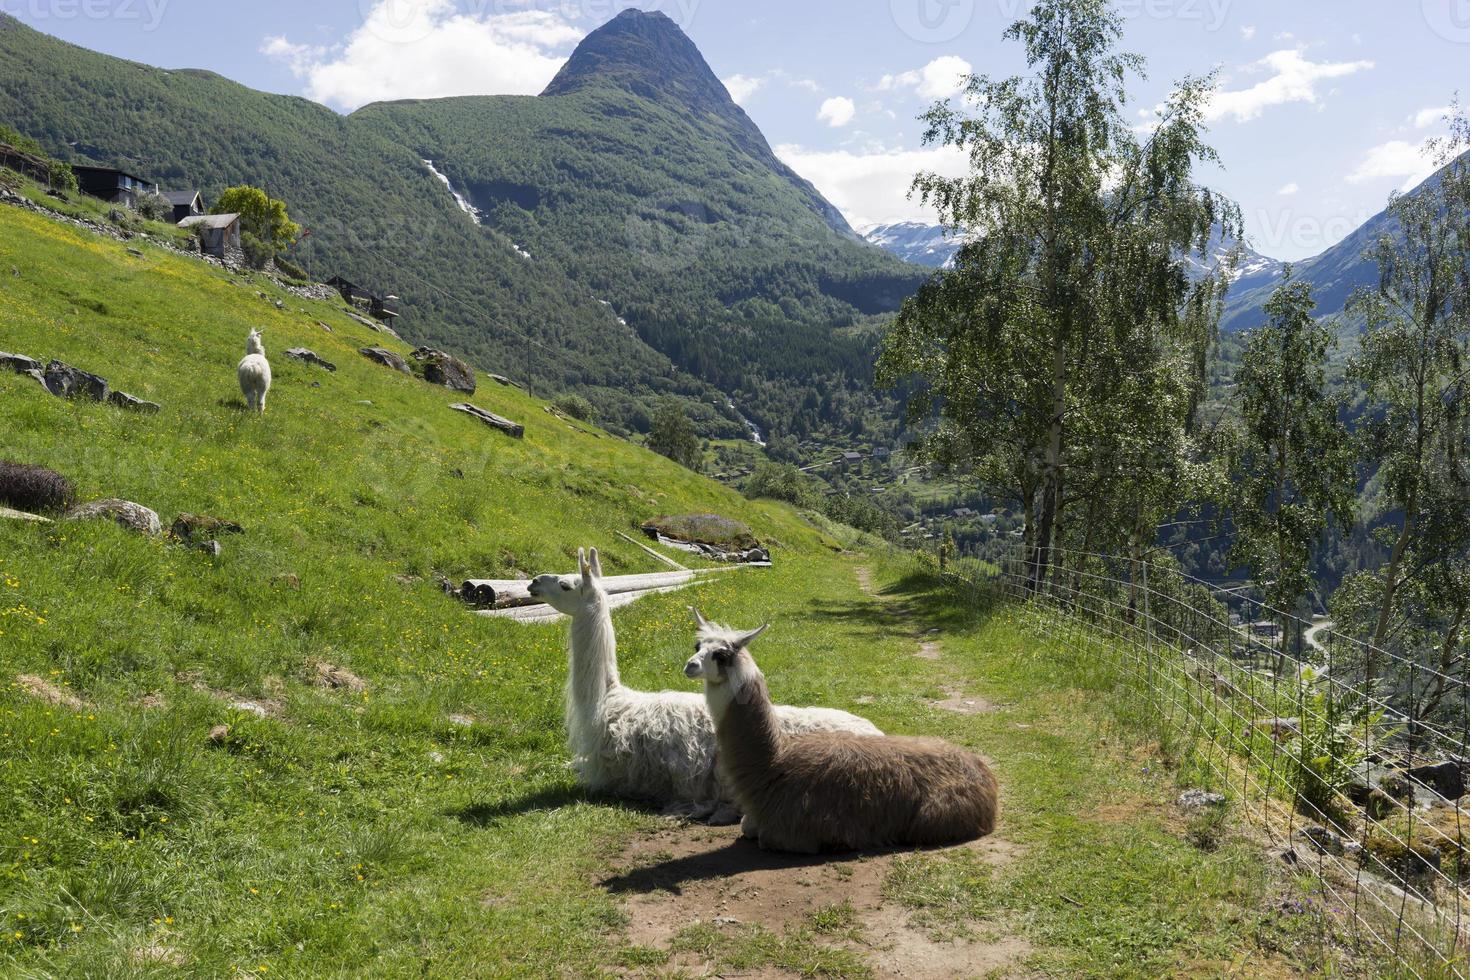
<point x="717" y="651"/>
<point x="564" y="593"/>
<point x="711" y="661"/>
<point x="571" y="594"/>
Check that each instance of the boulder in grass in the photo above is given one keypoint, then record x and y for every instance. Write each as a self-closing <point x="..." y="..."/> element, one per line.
<point x="387" y="358"/>
<point x="310" y="357"/>
<point x="132" y="403"/>
<point x="18" y="363"/>
<point x="136" y="517"/>
<point x="200" y="528"/>
<point x="443" y="369"/>
<point x="65" y="381"/>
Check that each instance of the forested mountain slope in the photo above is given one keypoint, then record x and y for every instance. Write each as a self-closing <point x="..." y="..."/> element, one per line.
<point x="638" y="236"/>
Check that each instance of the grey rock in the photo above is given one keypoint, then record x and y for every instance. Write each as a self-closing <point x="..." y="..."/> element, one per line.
<point x="121" y="399"/>
<point x="18" y="363"/>
<point x="135" y="253"/>
<point x="1322" y="840"/>
<point x="1445" y="778"/>
<point x="201" y="527"/>
<point x="444" y="369"/>
<point x="310" y="357"/>
<point x="212" y="548"/>
<point x="65" y="381"/>
<point x="1198" y="799"/>
<point x="386" y="358"/>
<point x="125" y="512"/>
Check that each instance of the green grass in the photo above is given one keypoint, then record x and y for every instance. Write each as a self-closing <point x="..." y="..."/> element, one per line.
<point x="369" y="834"/>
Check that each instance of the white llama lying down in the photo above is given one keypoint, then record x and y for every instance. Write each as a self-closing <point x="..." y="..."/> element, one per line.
<point x="254" y="373"/>
<point x="832" y="790"/>
<point x="656" y="746"/>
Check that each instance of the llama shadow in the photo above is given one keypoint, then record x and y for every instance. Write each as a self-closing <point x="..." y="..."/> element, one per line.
<point x="740" y="856"/>
<point x="235" y="404"/>
<point x="545" y="798"/>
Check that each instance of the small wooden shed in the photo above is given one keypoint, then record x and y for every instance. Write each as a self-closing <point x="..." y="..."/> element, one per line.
<point x="219" y="234"/>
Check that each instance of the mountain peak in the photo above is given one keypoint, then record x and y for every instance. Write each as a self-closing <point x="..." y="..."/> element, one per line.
<point x="647" y="54"/>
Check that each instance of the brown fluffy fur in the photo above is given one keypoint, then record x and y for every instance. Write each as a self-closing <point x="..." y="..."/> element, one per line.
<point x="834" y="791"/>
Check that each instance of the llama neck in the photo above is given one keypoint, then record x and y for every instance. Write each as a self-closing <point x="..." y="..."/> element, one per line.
<point x="594" y="655"/>
<point x="746" y="728"/>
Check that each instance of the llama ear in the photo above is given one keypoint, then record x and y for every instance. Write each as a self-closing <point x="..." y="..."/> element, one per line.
<point x="750" y="637"/>
<point x="582" y="568"/>
<point x="596" y="565"/>
<point x="699" y="620"/>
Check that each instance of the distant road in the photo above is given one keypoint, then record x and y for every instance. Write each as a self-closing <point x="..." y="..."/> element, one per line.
<point x="1311" y="635"/>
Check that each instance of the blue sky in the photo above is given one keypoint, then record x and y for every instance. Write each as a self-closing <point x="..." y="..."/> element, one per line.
<point x="1322" y="108"/>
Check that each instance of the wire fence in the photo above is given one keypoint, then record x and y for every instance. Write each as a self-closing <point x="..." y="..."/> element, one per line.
<point x="1352" y="758"/>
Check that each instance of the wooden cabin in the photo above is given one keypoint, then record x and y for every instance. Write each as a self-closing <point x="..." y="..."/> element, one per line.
<point x="219" y="234"/>
<point x="113" y="185"/>
<point x="186" y="204"/>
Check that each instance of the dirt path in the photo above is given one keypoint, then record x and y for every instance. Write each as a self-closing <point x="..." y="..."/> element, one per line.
<point x="689" y="879"/>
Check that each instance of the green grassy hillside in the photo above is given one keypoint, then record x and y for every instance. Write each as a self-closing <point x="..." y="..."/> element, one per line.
<point x="429" y="825"/>
<point x="730" y="271"/>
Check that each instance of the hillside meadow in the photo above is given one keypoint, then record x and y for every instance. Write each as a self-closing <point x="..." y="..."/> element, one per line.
<point x="428" y="824"/>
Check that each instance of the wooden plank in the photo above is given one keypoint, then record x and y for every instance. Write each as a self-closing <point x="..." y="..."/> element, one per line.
<point x="513" y="429"/>
<point x="661" y="557"/>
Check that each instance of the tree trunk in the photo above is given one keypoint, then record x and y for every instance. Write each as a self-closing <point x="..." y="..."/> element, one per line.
<point x="1052" y="483"/>
<point x="1390" y="589"/>
<point x="1446" y="658"/>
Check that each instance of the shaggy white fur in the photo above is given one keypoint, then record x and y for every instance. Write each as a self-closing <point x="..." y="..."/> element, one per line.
<point x="254" y="373"/>
<point x="657" y="746"/>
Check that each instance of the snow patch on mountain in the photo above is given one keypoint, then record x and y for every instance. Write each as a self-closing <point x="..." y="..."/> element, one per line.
<point x="914" y="241"/>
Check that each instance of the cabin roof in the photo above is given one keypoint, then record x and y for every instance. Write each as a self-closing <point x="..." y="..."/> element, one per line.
<point x="209" y="220"/>
<point x="181" y="197"/>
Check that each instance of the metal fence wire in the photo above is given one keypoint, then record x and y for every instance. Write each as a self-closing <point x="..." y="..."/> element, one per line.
<point x="1352" y="758"/>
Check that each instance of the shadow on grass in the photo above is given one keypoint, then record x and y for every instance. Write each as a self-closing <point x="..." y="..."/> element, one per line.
<point x="740" y="856"/>
<point x="919" y="599"/>
<point x="545" y="798"/>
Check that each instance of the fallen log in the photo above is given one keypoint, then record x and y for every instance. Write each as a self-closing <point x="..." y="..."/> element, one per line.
<point x="659" y="555"/>
<point x="507" y="593"/>
<point x="542" y="613"/>
<point x="513" y="429"/>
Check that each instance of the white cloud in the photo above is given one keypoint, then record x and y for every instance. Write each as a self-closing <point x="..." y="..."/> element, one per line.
<point x="1396" y="158"/>
<point x="742" y="87"/>
<point x="1425" y="118"/>
<point x="939" y="79"/>
<point x="837" y="111"/>
<point x="1293" y="79"/>
<point x="1288" y="190"/>
<point x="428" y="49"/>
<point x="871" y="188"/>
<point x="1248" y="33"/>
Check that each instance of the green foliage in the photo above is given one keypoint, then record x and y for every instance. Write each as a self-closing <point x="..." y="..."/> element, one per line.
<point x="673" y="436"/>
<point x="1065" y="351"/>
<point x="258" y="254"/>
<point x="154" y="207"/>
<point x="1335" y="724"/>
<point x="1410" y="362"/>
<point x="61" y="177"/>
<point x="782" y="481"/>
<point x="261" y="215"/>
<point x="576" y="406"/>
<point x="1291" y="460"/>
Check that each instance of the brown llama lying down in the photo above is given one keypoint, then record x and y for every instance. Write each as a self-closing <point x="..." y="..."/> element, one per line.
<point x="833" y="790"/>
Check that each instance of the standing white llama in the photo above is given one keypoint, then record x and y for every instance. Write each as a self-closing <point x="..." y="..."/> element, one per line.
<point x="254" y="373"/>
<point x="657" y="746"/>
